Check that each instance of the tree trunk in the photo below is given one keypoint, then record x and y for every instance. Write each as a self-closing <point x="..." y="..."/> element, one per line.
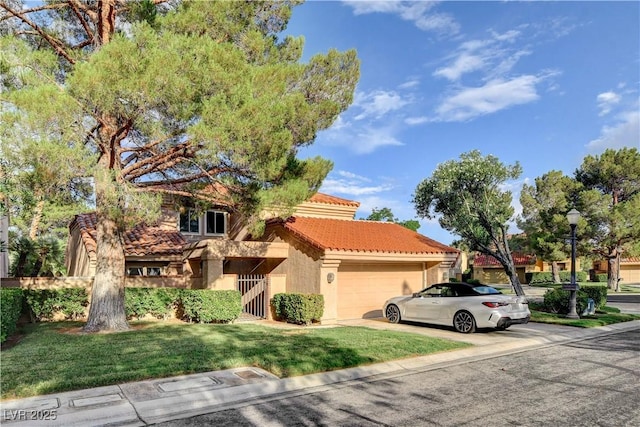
<point x="555" y="272"/>
<point x="107" y="310"/>
<point x="613" y="279"/>
<point x="515" y="280"/>
<point x="35" y="221"/>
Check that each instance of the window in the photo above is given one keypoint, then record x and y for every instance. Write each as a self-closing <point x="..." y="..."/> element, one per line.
<point x="144" y="271"/>
<point x="214" y="222"/>
<point x="189" y="222"/>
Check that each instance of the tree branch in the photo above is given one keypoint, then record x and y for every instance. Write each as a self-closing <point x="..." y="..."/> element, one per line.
<point x="57" y="45"/>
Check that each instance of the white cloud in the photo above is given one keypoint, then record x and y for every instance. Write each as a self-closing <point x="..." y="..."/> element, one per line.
<point x="496" y="56"/>
<point x="606" y="101"/>
<point x="377" y="103"/>
<point x="352" y="184"/>
<point x="371" y="138"/>
<point x="464" y="63"/>
<point x="410" y="84"/>
<point x="625" y="133"/>
<point x="411" y="121"/>
<point x="419" y="13"/>
<point x="496" y="95"/>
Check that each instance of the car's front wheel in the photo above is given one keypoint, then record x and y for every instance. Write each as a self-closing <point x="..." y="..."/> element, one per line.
<point x="464" y="322"/>
<point x="393" y="313"/>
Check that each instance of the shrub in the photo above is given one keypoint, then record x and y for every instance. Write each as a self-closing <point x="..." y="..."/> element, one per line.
<point x="474" y="282"/>
<point x="44" y="303"/>
<point x="157" y="302"/>
<point x="597" y="293"/>
<point x="557" y="301"/>
<point x="601" y="277"/>
<point x="539" y="277"/>
<point x="301" y="309"/>
<point x="542" y="277"/>
<point x="206" y="305"/>
<point x="10" y="309"/>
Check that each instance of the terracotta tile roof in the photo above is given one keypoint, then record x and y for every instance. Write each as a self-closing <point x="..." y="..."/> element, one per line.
<point x="141" y="240"/>
<point x="630" y="260"/>
<point x="362" y="236"/>
<point x="332" y="200"/>
<point x="482" y="260"/>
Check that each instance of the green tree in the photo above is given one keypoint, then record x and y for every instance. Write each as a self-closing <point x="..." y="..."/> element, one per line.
<point x="543" y="219"/>
<point x="386" y="215"/>
<point x="610" y="204"/>
<point x="466" y="198"/>
<point x="196" y="99"/>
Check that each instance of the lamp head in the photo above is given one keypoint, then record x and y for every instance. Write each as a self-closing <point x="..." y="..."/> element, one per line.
<point x="573" y="216"/>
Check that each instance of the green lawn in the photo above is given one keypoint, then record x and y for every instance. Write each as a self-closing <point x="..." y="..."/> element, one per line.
<point x="53" y="357"/>
<point x="603" y="316"/>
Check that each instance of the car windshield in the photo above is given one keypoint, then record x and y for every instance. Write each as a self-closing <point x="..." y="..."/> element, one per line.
<point x="486" y="290"/>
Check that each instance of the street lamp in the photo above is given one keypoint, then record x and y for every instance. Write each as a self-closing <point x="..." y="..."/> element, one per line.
<point x="573" y="216"/>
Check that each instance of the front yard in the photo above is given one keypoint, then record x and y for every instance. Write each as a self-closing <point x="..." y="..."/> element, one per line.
<point x="53" y="357"/>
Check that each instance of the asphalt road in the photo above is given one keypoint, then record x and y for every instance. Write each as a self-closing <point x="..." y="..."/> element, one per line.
<point x="592" y="382"/>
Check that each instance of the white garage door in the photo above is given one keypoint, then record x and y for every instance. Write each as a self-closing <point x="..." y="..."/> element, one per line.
<point x="363" y="288"/>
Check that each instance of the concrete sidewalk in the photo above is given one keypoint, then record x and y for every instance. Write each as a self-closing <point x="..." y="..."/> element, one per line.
<point x="148" y="402"/>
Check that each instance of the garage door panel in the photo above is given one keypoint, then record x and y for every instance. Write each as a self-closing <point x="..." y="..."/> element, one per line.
<point x="363" y="288"/>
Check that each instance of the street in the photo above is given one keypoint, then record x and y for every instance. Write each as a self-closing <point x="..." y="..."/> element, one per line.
<point x="591" y="382"/>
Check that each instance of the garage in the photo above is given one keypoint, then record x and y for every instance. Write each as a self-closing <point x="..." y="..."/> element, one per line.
<point x="364" y="287"/>
<point x="630" y="273"/>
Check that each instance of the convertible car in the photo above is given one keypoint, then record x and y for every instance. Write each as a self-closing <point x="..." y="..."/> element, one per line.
<point x="461" y="305"/>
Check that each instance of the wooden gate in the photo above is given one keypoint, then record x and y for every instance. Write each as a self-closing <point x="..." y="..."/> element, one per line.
<point x="253" y="288"/>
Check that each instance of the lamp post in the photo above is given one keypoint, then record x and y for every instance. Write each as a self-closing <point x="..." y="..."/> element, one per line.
<point x="573" y="216"/>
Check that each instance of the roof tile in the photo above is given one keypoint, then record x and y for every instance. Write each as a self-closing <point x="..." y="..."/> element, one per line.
<point x="362" y="236"/>
<point x="332" y="200"/>
<point x="141" y="240"/>
<point x="483" y="260"/>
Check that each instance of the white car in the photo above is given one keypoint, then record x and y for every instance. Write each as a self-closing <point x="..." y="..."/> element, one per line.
<point x="461" y="305"/>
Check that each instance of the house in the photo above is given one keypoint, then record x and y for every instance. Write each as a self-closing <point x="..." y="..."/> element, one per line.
<point x="488" y="270"/>
<point x="629" y="269"/>
<point x="356" y="265"/>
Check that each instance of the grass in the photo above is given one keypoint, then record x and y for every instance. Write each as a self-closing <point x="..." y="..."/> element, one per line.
<point x="53" y="357"/>
<point x="604" y="316"/>
<point x="623" y="288"/>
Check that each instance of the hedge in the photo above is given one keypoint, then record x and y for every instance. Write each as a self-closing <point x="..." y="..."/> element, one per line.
<point x="301" y="309"/>
<point x="539" y="277"/>
<point x="557" y="301"/>
<point x="43" y="304"/>
<point x="206" y="306"/>
<point x="157" y="302"/>
<point x="10" y="309"/>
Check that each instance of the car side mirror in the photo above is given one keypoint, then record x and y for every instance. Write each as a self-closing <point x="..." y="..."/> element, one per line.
<point x="416" y="294"/>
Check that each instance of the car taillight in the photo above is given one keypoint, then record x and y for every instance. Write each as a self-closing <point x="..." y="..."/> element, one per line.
<point x="493" y="304"/>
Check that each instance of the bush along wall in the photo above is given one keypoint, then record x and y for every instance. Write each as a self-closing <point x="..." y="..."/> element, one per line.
<point x="211" y="306"/>
<point x="10" y="309"/>
<point x="545" y="277"/>
<point x="301" y="309"/>
<point x="43" y="304"/>
<point x="157" y="302"/>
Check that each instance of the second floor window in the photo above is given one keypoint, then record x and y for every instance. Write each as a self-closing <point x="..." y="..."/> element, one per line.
<point x="190" y="222"/>
<point x="212" y="222"/>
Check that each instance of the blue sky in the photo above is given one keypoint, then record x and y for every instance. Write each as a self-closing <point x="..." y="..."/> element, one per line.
<point x="541" y="83"/>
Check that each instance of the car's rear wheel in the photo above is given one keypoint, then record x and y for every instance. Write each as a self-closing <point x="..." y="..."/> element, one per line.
<point x="393" y="313"/>
<point x="464" y="322"/>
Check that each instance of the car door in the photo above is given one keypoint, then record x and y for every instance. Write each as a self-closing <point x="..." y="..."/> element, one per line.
<point x="425" y="305"/>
